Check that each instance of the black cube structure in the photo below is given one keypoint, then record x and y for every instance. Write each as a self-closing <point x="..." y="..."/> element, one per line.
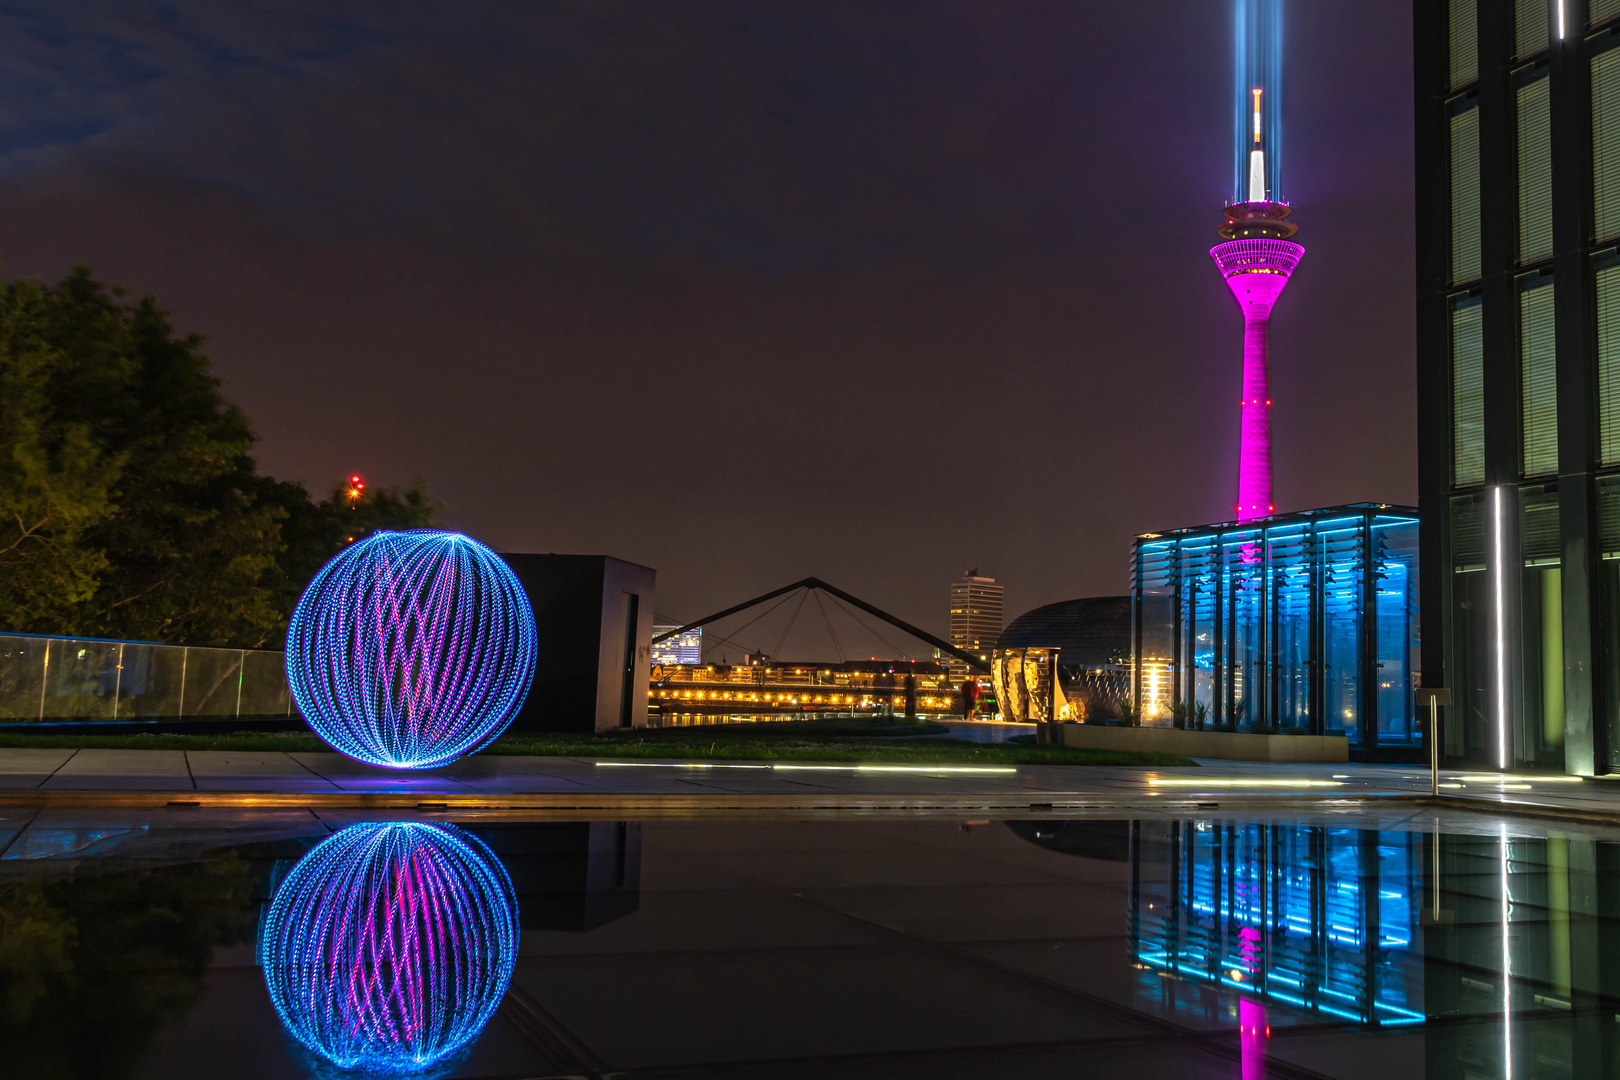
<point x="593" y="617"/>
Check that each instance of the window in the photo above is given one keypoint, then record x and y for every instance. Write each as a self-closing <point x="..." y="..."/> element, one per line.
<point x="1465" y="192"/>
<point x="1541" y="621"/>
<point x="1468" y="665"/>
<point x="1608" y="357"/>
<point x="1605" y="143"/>
<point x="1608" y="614"/>
<point x="1538" y="375"/>
<point x="1603" y="10"/>
<point x="1467" y="391"/>
<point x="1535" y="170"/>
<point x="1464" y="35"/>
<point x="1529" y="25"/>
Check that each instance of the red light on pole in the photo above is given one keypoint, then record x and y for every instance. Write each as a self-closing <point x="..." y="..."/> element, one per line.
<point x="357" y="487"/>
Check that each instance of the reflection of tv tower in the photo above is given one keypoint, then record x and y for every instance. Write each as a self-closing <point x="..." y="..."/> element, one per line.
<point x="1257" y="256"/>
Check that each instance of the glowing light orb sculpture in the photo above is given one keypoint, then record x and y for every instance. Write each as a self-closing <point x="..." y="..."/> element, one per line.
<point x="390" y="945"/>
<point x="411" y="649"/>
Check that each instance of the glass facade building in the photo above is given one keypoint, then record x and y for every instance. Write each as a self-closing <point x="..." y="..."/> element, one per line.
<point x="1302" y="623"/>
<point x="1518" y="200"/>
<point x="684" y="648"/>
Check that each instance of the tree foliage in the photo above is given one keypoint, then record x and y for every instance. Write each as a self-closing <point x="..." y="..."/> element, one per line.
<point x="130" y="504"/>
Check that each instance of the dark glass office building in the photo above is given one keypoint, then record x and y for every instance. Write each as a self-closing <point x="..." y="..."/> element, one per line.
<point x="1518" y="266"/>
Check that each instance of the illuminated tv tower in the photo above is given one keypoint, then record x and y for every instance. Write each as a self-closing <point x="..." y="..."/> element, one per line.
<point x="1256" y="256"/>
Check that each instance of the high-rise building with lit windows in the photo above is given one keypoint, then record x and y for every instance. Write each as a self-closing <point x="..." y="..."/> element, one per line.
<point x="684" y="648"/>
<point x="1518" y="265"/>
<point x="977" y="610"/>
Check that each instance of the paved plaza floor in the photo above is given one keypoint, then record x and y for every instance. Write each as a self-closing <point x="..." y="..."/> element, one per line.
<point x="223" y="777"/>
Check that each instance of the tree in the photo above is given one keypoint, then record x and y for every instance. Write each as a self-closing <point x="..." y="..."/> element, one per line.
<point x="130" y="505"/>
<point x="313" y="532"/>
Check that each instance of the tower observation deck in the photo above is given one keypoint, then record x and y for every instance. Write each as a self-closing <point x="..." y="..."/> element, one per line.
<point x="1257" y="256"/>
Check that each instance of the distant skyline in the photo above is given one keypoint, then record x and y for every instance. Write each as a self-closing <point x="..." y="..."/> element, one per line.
<point x="745" y="291"/>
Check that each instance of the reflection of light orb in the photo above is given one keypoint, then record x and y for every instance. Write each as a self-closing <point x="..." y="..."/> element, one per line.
<point x="410" y="649"/>
<point x="389" y="945"/>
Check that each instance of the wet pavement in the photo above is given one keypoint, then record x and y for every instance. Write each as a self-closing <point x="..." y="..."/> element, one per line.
<point x="1366" y="944"/>
<point x="327" y="778"/>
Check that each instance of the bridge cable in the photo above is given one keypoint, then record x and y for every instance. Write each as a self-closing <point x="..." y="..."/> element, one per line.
<point x="776" y="652"/>
<point x="754" y="620"/>
<point x="903" y="654"/>
<point x="832" y="633"/>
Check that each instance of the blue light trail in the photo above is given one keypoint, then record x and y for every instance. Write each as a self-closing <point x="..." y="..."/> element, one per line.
<point x="389" y="945"/>
<point x="411" y="649"/>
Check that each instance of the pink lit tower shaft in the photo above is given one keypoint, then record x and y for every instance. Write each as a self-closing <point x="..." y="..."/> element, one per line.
<point x="1256" y="257"/>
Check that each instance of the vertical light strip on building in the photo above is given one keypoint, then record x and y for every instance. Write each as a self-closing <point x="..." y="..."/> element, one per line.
<point x="1500" y="584"/>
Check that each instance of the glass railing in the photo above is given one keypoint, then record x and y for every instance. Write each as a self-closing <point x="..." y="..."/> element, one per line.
<point x="46" y="679"/>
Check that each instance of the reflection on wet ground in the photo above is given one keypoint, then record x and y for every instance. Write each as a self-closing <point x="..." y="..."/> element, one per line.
<point x="184" y="943"/>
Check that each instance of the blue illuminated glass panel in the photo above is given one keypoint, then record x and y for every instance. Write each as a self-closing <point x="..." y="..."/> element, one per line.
<point x="1306" y="624"/>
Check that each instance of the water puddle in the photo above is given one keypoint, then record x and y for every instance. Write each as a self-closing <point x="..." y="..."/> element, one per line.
<point x="187" y="943"/>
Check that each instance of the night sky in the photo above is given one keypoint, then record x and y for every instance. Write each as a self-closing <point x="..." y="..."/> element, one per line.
<point x="745" y="291"/>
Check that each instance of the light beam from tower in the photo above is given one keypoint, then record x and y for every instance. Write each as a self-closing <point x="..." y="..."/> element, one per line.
<point x="1256" y="256"/>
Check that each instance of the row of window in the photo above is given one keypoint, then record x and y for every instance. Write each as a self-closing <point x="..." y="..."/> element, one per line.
<point x="1534" y="23"/>
<point x="1538" y="380"/>
<point x="1538" y="394"/>
<point x="1534" y="116"/>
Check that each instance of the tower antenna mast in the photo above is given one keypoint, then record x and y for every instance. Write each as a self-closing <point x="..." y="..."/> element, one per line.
<point x="1256" y="256"/>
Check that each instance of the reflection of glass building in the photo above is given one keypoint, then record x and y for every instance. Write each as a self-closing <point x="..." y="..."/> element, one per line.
<point x="1317" y="919"/>
<point x="684" y="648"/>
<point x="1302" y="623"/>
<point x="1491" y="954"/>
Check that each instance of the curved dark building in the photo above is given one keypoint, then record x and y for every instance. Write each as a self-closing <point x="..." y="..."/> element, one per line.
<point x="1091" y="638"/>
<point x="1093" y="632"/>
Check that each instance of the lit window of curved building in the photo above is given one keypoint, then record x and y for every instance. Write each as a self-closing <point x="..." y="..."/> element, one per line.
<point x="1089" y="640"/>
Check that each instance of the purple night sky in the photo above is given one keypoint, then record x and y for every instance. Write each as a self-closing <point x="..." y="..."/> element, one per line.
<point x="745" y="291"/>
